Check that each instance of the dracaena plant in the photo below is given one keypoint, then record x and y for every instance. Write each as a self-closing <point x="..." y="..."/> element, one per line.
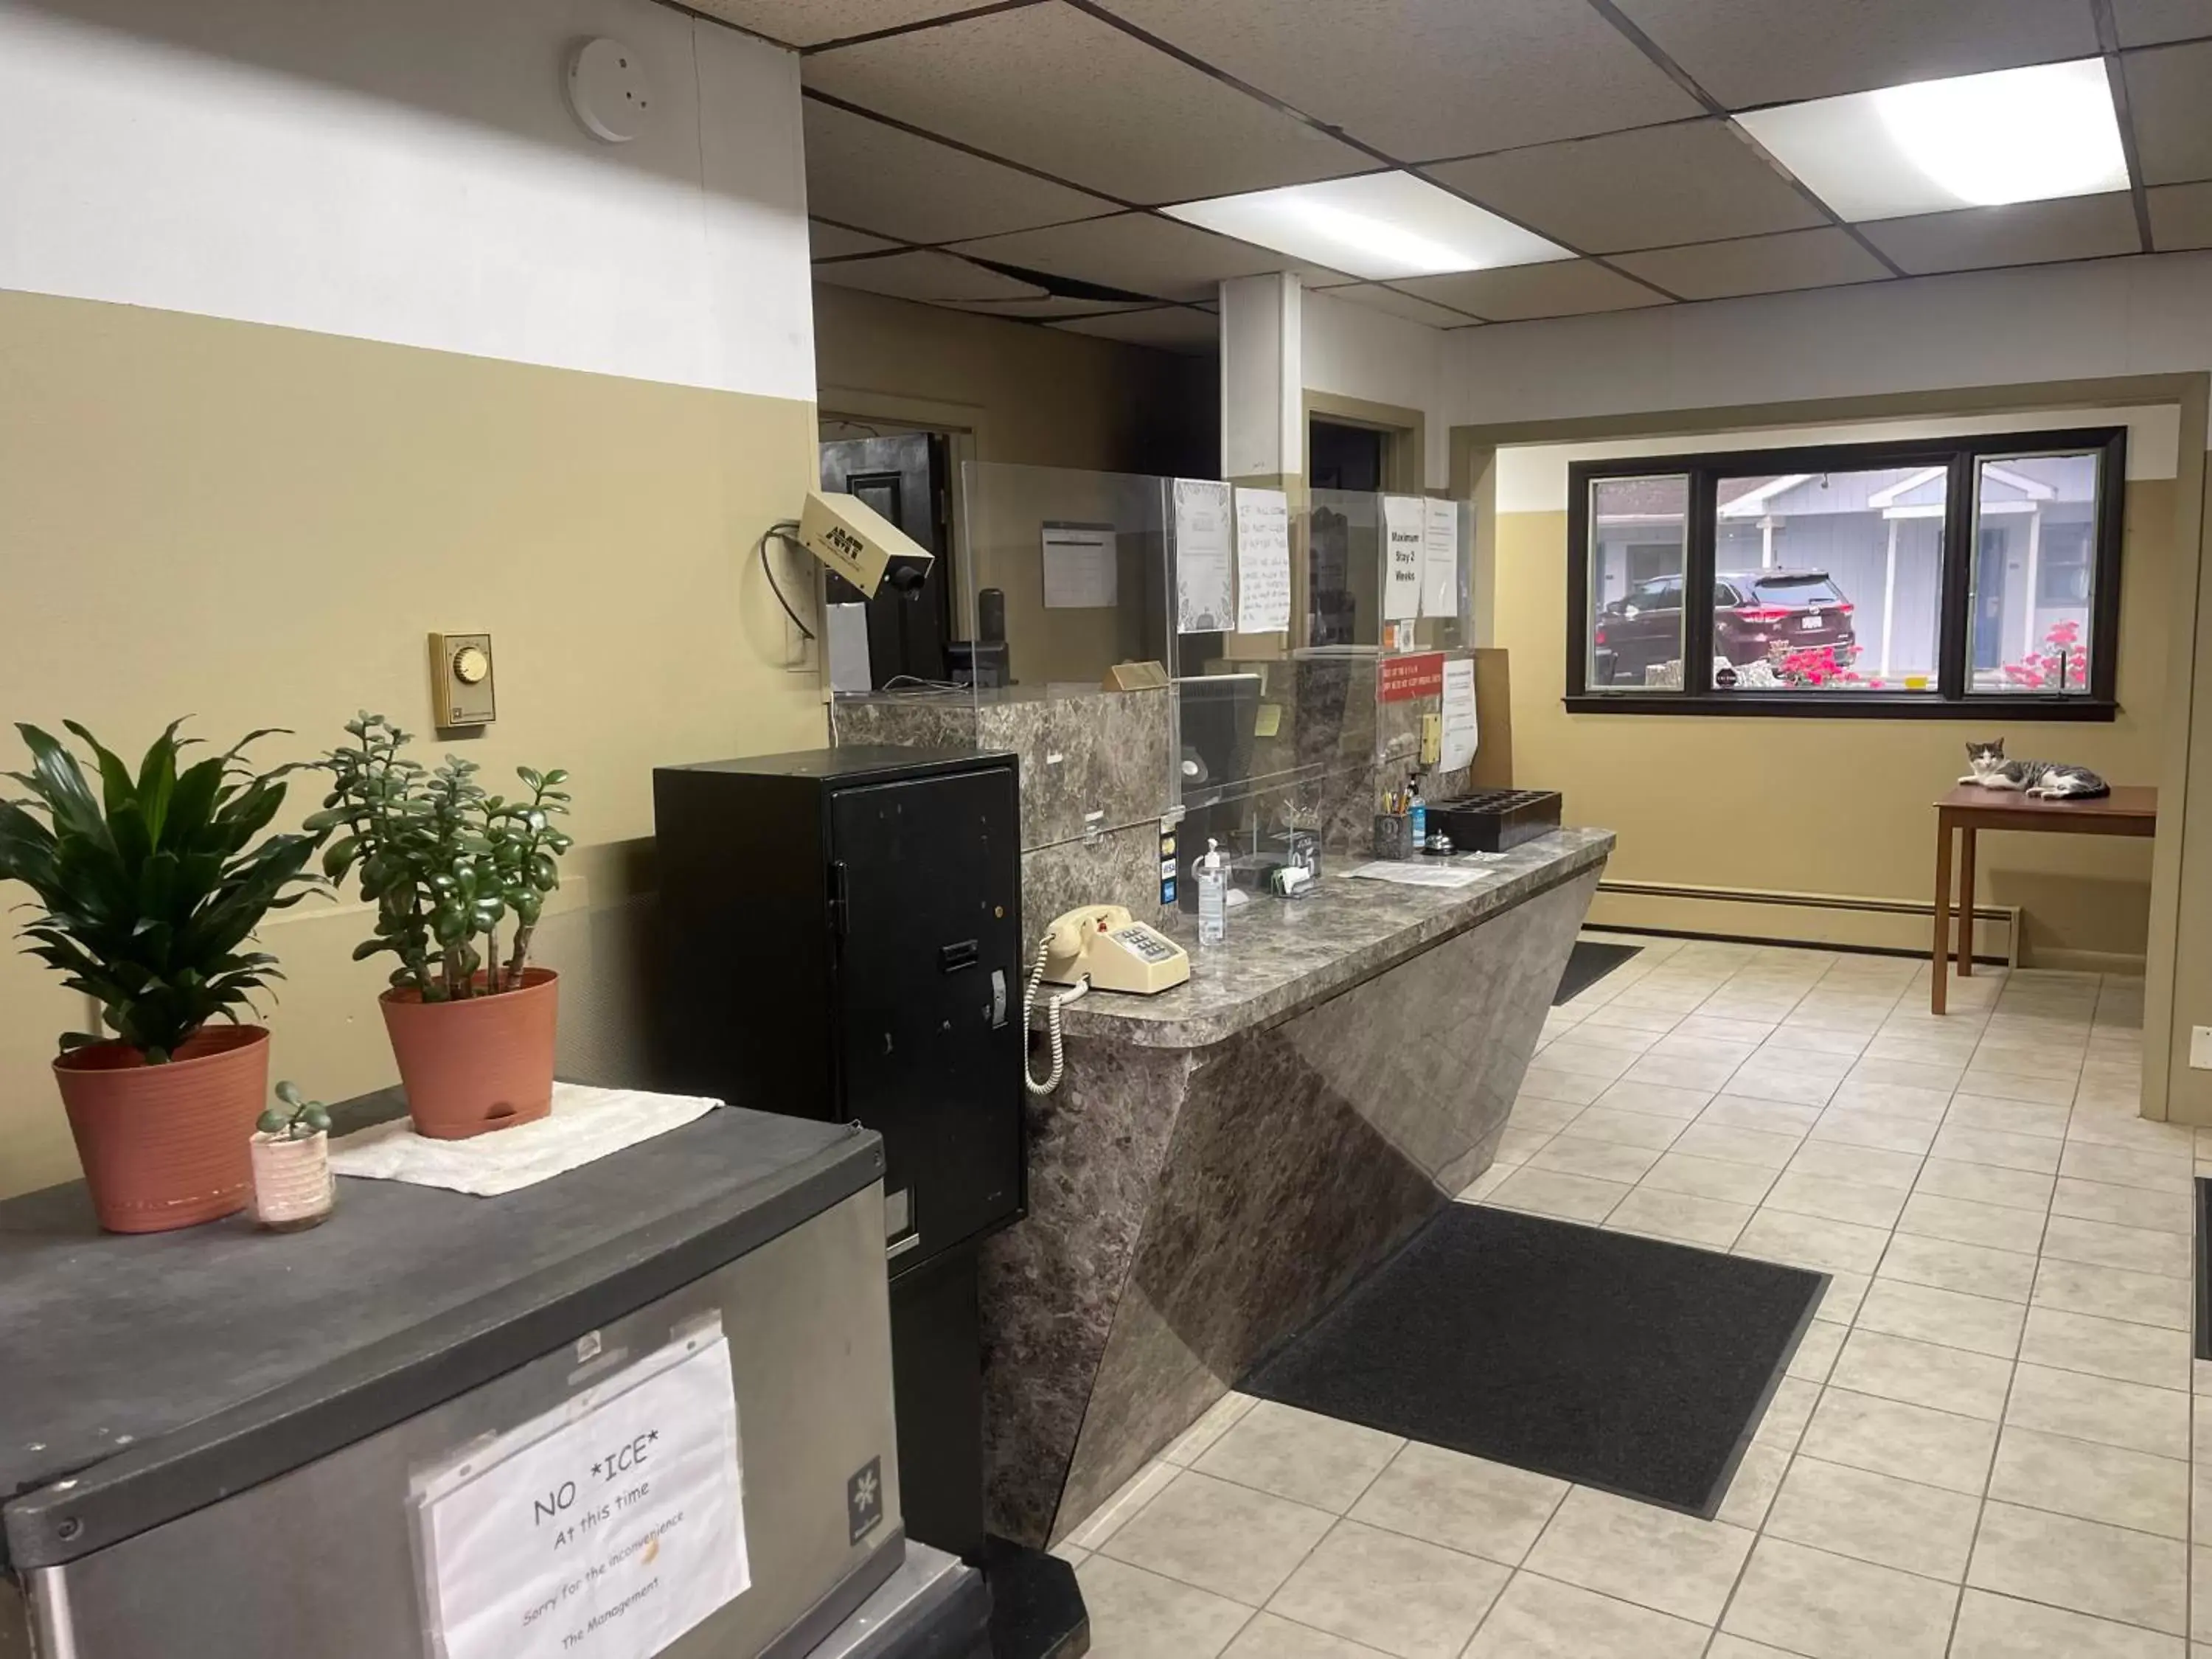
<point x="149" y="888"/>
<point x="445" y="863"/>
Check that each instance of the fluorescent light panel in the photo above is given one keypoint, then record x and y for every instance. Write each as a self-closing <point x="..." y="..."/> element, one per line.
<point x="2023" y="135"/>
<point x="1380" y="225"/>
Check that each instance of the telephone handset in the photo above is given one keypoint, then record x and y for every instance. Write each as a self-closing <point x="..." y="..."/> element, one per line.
<point x="1099" y="947"/>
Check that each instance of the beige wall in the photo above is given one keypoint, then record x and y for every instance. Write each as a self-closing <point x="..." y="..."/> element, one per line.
<point x="1040" y="395"/>
<point x="1021" y="396"/>
<point x="258" y="526"/>
<point x="1834" y="807"/>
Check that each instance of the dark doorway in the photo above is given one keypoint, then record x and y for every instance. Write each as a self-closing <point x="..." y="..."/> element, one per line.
<point x="1344" y="457"/>
<point x="904" y="478"/>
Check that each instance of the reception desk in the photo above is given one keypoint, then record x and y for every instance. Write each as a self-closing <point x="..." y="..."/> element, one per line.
<point x="1222" y="1161"/>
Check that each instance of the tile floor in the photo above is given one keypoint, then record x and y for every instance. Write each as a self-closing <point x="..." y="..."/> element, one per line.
<point x="1983" y="1446"/>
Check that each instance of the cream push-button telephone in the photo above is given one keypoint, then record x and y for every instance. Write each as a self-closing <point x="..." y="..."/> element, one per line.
<point x="1102" y="944"/>
<point x="1099" y="947"/>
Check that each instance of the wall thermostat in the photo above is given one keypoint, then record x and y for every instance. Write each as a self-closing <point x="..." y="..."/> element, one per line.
<point x="607" y="89"/>
<point x="460" y="680"/>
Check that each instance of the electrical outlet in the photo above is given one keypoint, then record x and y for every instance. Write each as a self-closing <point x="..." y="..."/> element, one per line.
<point x="2200" y="1048"/>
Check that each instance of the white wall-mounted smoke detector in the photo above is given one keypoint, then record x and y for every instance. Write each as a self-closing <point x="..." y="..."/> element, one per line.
<point x="607" y="89"/>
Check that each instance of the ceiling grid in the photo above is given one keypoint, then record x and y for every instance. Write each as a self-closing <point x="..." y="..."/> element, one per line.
<point x="1014" y="157"/>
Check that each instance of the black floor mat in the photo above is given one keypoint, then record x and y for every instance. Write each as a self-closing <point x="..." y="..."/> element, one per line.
<point x="1588" y="963"/>
<point x="1621" y="1363"/>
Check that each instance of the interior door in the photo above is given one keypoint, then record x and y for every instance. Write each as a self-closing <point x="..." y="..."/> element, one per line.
<point x="927" y="876"/>
<point x="904" y="477"/>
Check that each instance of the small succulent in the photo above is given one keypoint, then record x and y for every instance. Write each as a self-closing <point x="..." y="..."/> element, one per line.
<point x="304" y="1117"/>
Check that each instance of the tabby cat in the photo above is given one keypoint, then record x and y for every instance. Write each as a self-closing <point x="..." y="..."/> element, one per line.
<point x="2049" y="780"/>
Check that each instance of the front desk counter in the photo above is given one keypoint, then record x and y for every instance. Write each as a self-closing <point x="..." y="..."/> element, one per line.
<point x="1222" y="1161"/>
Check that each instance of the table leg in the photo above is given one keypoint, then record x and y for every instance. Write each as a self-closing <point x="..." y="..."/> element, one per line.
<point x="1942" y="951"/>
<point x="1965" y="903"/>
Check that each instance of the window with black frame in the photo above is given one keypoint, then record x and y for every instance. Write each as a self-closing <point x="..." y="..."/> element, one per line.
<point x="1926" y="578"/>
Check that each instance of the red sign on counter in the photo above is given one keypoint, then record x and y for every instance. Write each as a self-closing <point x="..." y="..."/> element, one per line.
<point x="1404" y="678"/>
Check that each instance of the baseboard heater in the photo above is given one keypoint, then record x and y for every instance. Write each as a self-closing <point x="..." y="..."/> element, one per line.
<point x="1923" y="910"/>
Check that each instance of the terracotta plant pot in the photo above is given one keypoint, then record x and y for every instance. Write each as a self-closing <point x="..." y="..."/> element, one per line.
<point x="479" y="1064"/>
<point x="292" y="1184"/>
<point x="166" y="1146"/>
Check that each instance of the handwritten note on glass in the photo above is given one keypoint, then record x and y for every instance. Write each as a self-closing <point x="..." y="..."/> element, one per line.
<point x="1263" y="561"/>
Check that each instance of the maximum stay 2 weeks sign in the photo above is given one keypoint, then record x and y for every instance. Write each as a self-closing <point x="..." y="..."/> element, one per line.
<point x="602" y="1530"/>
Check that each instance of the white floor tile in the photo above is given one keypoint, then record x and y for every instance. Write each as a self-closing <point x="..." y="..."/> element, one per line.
<point x="1829" y="1606"/>
<point x="2122" y="1488"/>
<point x="1651" y="1557"/>
<point x="1466" y="1503"/>
<point x="2083" y="1565"/>
<point x="1538" y="1619"/>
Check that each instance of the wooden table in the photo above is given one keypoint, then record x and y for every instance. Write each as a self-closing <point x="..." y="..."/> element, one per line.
<point x="2128" y="811"/>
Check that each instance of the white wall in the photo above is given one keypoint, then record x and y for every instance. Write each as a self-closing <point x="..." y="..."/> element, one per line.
<point x="1533" y="477"/>
<point x="407" y="171"/>
<point x="1352" y="351"/>
<point x="1996" y="328"/>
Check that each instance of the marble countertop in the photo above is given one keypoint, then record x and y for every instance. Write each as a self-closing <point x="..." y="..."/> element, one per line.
<point x="1283" y="955"/>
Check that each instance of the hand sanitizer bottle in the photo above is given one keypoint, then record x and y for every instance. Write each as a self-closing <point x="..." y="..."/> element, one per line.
<point x="1213" y="895"/>
<point x="1417" y="814"/>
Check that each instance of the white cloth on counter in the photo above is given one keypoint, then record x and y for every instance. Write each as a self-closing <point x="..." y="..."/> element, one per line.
<point x="1409" y="874"/>
<point x="585" y="1124"/>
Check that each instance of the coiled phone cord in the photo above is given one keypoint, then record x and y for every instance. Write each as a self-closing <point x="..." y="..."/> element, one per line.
<point x="1052" y="1007"/>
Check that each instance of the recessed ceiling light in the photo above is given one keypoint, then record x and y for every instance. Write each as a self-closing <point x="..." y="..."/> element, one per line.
<point x="2023" y="135"/>
<point x="1379" y="225"/>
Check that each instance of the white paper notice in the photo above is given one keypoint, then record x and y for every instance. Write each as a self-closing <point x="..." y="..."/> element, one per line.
<point x="1460" y="735"/>
<point x="1440" y="559"/>
<point x="603" y="1530"/>
<point x="1263" y="561"/>
<point x="1408" y="874"/>
<point x="1405" y="536"/>
<point x="1205" y="576"/>
<point x="1080" y="564"/>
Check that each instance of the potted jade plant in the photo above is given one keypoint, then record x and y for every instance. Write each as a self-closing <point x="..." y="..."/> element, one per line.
<point x="292" y="1185"/>
<point x="447" y="866"/>
<point x="148" y="891"/>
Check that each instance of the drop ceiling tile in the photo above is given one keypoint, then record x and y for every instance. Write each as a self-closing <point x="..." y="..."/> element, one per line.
<point x="810" y="22"/>
<point x="936" y="277"/>
<point x="2145" y="22"/>
<point x="1767" y="52"/>
<point x="1695" y="181"/>
<point x="2181" y="216"/>
<point x="1054" y="88"/>
<point x="2170" y="98"/>
<point x="828" y="242"/>
<point x="2025" y="233"/>
<point x="864" y="172"/>
<point x="1168" y="328"/>
<point x="1757" y="265"/>
<point x="1142" y="253"/>
<point x="1566" y="288"/>
<point x="1423" y="78"/>
<point x="1376" y="296"/>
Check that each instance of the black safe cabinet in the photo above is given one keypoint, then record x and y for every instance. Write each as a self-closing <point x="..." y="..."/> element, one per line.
<point x="841" y="934"/>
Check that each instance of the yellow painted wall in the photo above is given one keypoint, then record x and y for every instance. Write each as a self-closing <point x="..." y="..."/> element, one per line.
<point x="1838" y="807"/>
<point x="258" y="526"/>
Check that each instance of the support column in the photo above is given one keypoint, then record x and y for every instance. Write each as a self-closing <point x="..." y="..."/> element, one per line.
<point x="1263" y="438"/>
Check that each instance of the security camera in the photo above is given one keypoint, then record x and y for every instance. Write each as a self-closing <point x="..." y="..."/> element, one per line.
<point x="861" y="545"/>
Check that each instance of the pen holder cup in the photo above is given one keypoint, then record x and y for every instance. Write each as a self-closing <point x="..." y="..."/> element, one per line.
<point x="1393" y="836"/>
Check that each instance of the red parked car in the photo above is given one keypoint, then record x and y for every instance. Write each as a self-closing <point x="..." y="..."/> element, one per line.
<point x="1755" y="612"/>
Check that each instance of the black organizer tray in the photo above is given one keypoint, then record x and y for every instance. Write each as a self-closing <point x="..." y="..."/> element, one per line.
<point x="1496" y="820"/>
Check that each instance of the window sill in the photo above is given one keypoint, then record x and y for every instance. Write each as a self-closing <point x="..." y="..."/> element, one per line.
<point x="1841" y="705"/>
